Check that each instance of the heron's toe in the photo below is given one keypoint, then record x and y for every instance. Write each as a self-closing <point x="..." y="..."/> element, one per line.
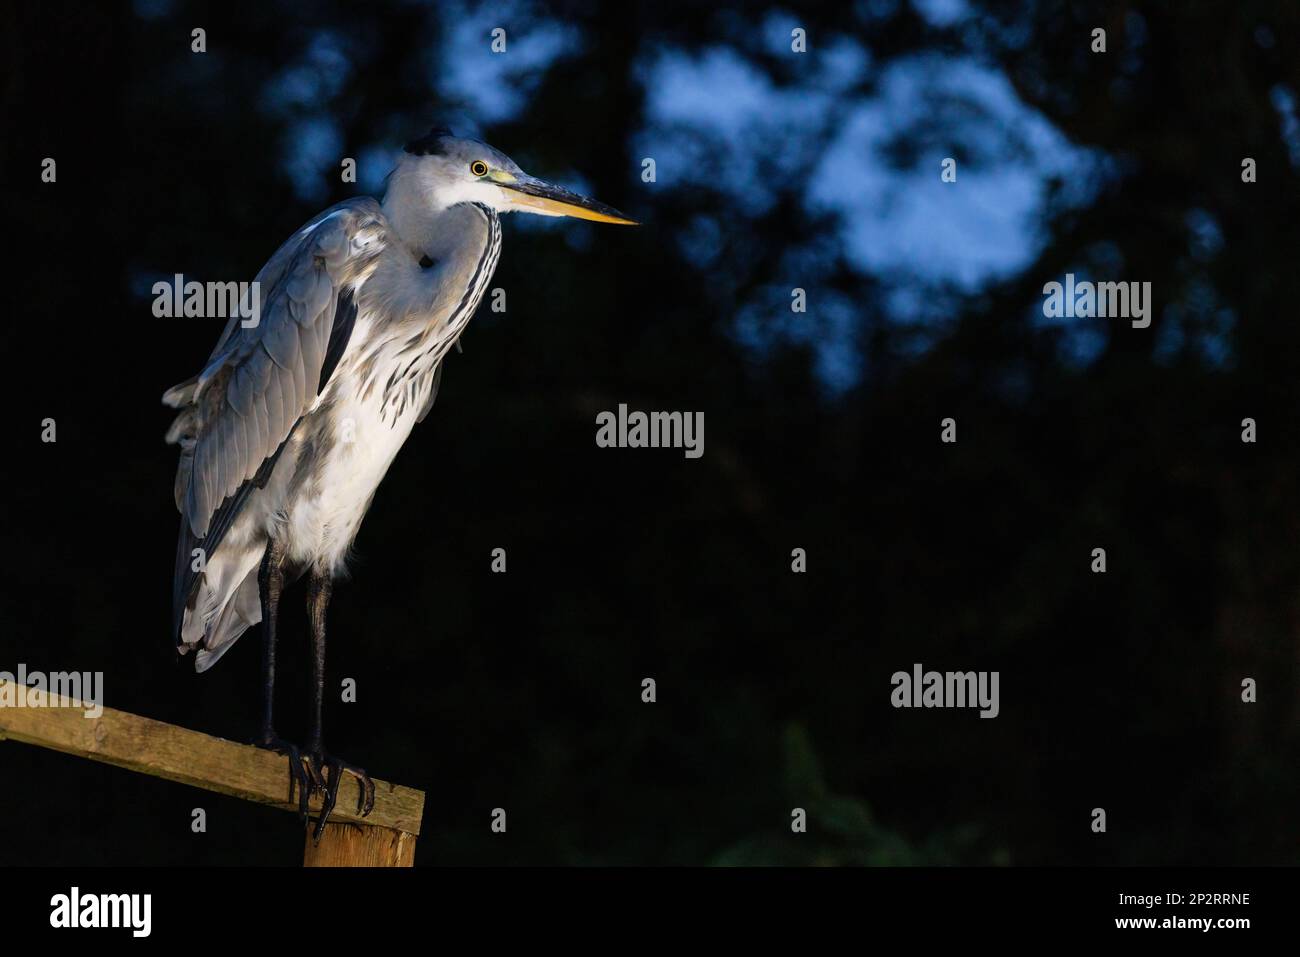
<point x="302" y="780"/>
<point x="331" y="770"/>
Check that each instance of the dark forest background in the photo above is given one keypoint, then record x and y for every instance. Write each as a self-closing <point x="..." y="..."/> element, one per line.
<point x="775" y="171"/>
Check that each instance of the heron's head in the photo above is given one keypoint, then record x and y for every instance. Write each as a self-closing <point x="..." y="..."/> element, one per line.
<point x="450" y="170"/>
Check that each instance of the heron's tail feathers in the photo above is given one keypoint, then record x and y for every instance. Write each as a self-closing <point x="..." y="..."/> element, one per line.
<point x="182" y="394"/>
<point x="227" y="605"/>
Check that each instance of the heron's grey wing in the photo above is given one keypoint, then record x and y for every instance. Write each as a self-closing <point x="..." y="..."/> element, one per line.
<point x="272" y="275"/>
<point x="265" y="376"/>
<point x="239" y="411"/>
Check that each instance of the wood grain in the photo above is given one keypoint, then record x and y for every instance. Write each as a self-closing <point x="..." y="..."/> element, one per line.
<point x="359" y="845"/>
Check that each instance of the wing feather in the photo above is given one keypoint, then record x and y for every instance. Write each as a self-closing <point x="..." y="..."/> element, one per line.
<point x="262" y="378"/>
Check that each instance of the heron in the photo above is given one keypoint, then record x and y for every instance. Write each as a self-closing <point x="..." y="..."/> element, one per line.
<point x="293" y="422"/>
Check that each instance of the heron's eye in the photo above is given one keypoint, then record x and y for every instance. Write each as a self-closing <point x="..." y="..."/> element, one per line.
<point x="478" y="168"/>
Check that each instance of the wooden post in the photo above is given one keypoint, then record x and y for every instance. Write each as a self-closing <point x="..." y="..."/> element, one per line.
<point x="360" y="845"/>
<point x="385" y="838"/>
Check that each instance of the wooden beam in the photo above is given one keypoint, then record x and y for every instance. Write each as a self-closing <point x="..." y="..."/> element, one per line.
<point x="191" y="757"/>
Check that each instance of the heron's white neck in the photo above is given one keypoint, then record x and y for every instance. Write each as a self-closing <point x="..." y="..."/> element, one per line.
<point x="418" y="208"/>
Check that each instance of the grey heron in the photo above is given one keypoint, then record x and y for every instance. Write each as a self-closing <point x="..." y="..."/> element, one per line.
<point x="293" y="421"/>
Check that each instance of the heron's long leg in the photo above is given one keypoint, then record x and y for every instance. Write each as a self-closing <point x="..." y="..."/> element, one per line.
<point x="270" y="584"/>
<point x="319" y="589"/>
<point x="327" y="769"/>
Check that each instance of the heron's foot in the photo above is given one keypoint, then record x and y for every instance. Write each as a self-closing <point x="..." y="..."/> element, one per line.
<point x="327" y="771"/>
<point x="301" y="775"/>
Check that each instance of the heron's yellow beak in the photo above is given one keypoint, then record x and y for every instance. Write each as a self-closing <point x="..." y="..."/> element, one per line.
<point x="529" y="195"/>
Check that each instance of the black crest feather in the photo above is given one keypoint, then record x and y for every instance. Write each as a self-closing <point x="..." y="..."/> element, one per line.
<point x="430" y="143"/>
